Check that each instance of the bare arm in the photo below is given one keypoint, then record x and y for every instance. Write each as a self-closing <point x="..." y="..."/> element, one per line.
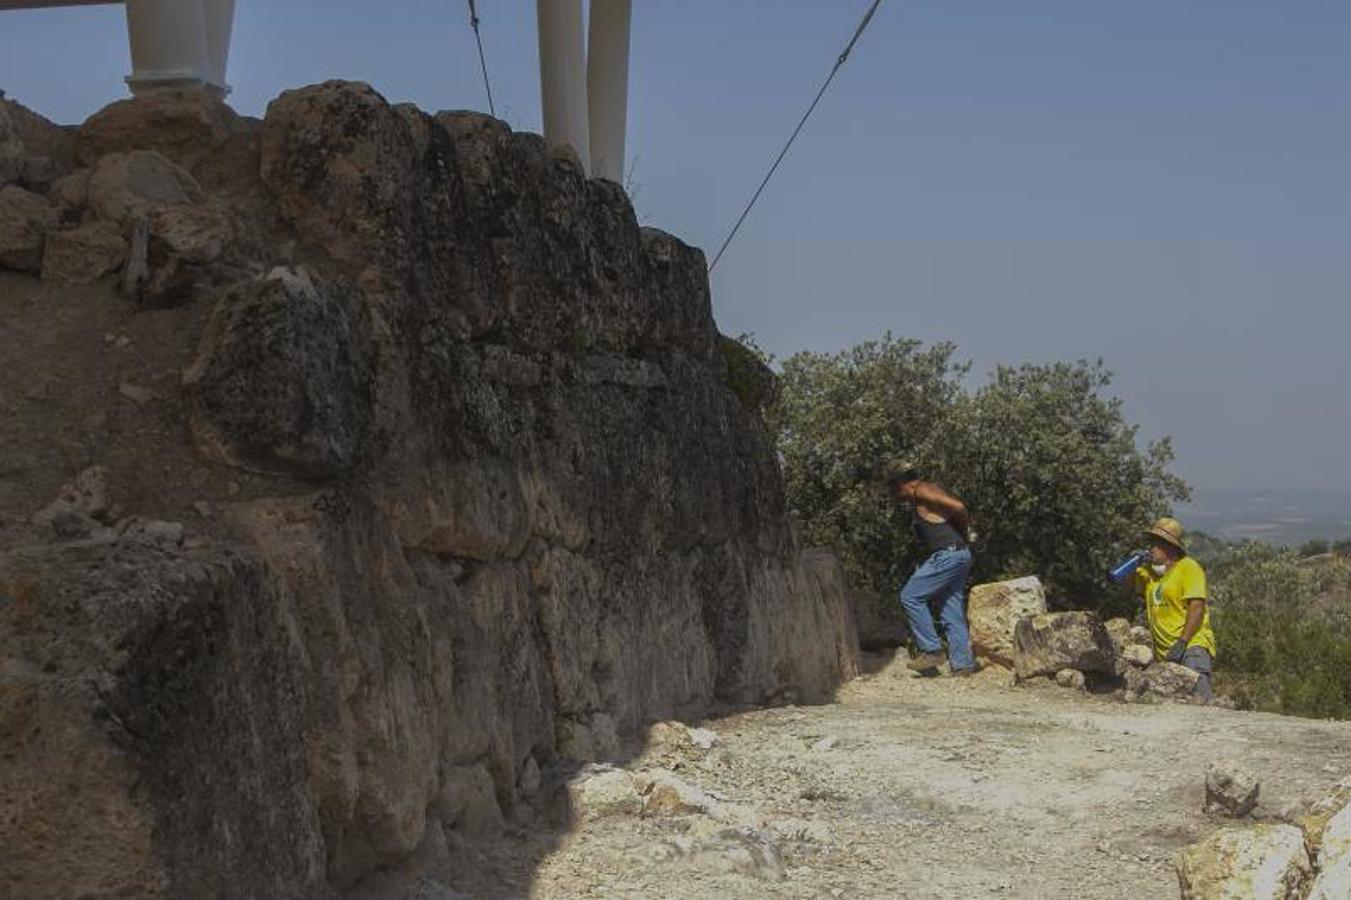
<point x="934" y="498"/>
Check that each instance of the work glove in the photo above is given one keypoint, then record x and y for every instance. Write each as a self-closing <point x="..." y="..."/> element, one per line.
<point x="1177" y="651"/>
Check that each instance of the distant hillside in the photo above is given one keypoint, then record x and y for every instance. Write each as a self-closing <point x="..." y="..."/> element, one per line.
<point x="1280" y="517"/>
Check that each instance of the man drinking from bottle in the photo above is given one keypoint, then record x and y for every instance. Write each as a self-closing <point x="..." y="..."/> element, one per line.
<point x="1174" y="588"/>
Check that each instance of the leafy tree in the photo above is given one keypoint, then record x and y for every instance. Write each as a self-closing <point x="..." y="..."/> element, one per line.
<point x="1052" y="473"/>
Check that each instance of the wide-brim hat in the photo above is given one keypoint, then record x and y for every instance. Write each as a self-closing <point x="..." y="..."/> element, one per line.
<point x="1168" y="530"/>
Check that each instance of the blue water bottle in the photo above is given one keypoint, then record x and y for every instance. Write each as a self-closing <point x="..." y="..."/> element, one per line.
<point x="1123" y="569"/>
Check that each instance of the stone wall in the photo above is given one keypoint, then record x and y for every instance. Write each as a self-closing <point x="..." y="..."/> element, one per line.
<point x="503" y="507"/>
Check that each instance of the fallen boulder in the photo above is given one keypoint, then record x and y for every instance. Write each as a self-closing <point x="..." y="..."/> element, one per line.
<point x="1070" y="678"/>
<point x="25" y="219"/>
<point x="1231" y="789"/>
<point x="994" y="610"/>
<point x="1170" y="680"/>
<point x="1047" y="643"/>
<point x="603" y="790"/>
<point x="1264" y="862"/>
<point x="83" y="255"/>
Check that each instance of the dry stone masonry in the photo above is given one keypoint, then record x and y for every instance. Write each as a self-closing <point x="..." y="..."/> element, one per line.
<point x="491" y="501"/>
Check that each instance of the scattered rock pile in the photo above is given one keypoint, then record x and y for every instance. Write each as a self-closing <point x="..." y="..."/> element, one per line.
<point x="1268" y="862"/>
<point x="1011" y="628"/>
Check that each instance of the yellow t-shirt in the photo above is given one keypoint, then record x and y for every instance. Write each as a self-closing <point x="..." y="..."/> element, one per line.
<point x="1166" y="604"/>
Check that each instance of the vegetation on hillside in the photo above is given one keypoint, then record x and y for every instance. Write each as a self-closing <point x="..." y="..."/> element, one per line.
<point x="1057" y="485"/>
<point x="1053" y="474"/>
<point x="1283" y="624"/>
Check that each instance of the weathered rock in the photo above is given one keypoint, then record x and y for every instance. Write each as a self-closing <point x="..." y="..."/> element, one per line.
<point x="92" y="492"/>
<point x="467" y="802"/>
<point x="123" y="186"/>
<point x="1119" y="630"/>
<point x="11" y="149"/>
<point x="39" y="136"/>
<point x="994" y="610"/>
<point x="184" y="126"/>
<point x="1333" y="881"/>
<point x="83" y="255"/>
<point x="25" y="219"/>
<point x="666" y="794"/>
<point x="1070" y="678"/>
<point x="1137" y="655"/>
<point x="531" y="515"/>
<point x="601" y="790"/>
<point x="1231" y="789"/>
<point x="748" y="851"/>
<point x="282" y="379"/>
<point x="1046" y="643"/>
<point x="71" y="193"/>
<point x="679" y="736"/>
<point x="196" y="233"/>
<point x="1263" y="862"/>
<point x="154" y="531"/>
<point x="530" y="780"/>
<point x="1170" y="680"/>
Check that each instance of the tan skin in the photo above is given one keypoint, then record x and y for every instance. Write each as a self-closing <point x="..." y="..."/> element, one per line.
<point x="1165" y="554"/>
<point x="934" y="504"/>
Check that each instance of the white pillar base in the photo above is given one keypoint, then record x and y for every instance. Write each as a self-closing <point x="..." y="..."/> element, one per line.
<point x="182" y="44"/>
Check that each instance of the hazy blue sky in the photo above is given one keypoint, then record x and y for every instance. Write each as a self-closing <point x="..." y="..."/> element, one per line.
<point x="1164" y="184"/>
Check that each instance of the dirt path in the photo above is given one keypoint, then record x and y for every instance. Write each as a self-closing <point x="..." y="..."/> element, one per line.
<point x="910" y="787"/>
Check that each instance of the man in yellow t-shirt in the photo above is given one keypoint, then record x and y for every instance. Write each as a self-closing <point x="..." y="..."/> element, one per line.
<point x="1174" y="588"/>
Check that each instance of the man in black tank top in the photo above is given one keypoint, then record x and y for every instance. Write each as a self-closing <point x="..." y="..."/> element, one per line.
<point x="939" y="584"/>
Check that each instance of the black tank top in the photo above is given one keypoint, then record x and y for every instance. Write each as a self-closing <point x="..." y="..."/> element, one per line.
<point x="936" y="535"/>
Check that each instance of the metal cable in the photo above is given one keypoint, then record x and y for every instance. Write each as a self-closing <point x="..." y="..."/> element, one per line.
<point x="483" y="64"/>
<point x="858" y="32"/>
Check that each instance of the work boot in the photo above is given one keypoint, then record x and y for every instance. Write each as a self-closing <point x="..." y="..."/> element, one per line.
<point x="922" y="662"/>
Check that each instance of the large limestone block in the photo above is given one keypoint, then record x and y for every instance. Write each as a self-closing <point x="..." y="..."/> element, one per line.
<point x="282" y="379"/>
<point x="1265" y="862"/>
<point x="1047" y="643"/>
<point x="25" y="219"/>
<point x="994" y="610"/>
<point x="83" y="255"/>
<point x="184" y="126"/>
<point x="123" y="186"/>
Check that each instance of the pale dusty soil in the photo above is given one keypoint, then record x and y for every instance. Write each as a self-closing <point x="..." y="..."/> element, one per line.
<point x="937" y="787"/>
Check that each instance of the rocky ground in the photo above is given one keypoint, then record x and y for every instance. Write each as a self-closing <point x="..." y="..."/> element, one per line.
<point x="914" y="787"/>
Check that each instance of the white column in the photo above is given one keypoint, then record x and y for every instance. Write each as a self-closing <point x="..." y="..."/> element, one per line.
<point x="219" y="16"/>
<point x="562" y="76"/>
<point x="179" y="43"/>
<point x="607" y="86"/>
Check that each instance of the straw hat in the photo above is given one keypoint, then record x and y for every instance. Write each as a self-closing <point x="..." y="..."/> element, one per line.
<point x="1168" y="530"/>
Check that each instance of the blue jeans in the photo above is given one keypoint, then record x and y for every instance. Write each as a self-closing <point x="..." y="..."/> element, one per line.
<point x="940" y="582"/>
